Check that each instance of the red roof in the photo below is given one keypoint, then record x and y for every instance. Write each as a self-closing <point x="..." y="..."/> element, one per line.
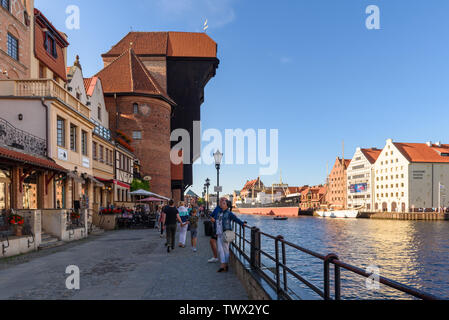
<point x="28" y="159"/>
<point x="89" y="84"/>
<point x="171" y="44"/>
<point x="421" y="152"/>
<point x="252" y="184"/>
<point x="371" y="154"/>
<point x="127" y="74"/>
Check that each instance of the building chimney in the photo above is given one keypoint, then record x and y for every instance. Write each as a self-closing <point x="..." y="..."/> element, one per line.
<point x="438" y="144"/>
<point x="429" y="143"/>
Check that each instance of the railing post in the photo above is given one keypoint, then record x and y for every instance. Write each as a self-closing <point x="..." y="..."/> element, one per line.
<point x="255" y="248"/>
<point x="278" y="280"/>
<point x="327" y="262"/>
<point x="284" y="262"/>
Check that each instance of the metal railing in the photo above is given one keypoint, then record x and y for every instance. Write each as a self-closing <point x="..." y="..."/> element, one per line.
<point x="17" y="138"/>
<point x="280" y="283"/>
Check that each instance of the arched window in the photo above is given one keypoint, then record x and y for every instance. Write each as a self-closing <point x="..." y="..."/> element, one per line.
<point x="135" y="108"/>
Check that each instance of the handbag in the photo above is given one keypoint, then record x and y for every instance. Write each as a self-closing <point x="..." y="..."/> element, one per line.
<point x="229" y="236"/>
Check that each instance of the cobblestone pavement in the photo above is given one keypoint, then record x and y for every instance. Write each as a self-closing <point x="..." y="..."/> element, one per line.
<point x="127" y="264"/>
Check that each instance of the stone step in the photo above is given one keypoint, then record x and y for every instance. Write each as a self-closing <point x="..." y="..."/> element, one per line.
<point x="46" y="236"/>
<point x="49" y="245"/>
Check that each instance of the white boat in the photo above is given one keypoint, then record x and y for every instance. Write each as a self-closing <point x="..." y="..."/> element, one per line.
<point x="338" y="214"/>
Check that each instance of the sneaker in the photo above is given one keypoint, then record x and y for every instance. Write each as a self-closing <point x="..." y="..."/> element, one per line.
<point x="212" y="260"/>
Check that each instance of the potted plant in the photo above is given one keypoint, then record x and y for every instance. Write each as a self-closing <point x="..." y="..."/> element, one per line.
<point x="17" y="222"/>
<point x="74" y="215"/>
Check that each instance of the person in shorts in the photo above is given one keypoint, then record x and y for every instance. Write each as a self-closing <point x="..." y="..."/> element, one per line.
<point x="193" y="225"/>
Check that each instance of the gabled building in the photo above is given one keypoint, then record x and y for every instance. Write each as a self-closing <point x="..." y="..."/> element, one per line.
<point x="251" y="189"/>
<point x="337" y="185"/>
<point x="140" y="108"/>
<point x="411" y="177"/>
<point x="182" y="63"/>
<point x="360" y="177"/>
<point x="313" y="198"/>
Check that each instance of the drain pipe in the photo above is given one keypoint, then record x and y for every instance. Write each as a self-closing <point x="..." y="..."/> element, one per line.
<point x="47" y="121"/>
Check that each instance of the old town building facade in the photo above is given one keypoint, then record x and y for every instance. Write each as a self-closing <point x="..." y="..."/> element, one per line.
<point x="337" y="185"/>
<point x="360" y="177"/>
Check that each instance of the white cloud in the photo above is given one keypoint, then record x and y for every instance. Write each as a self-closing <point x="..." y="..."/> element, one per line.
<point x="218" y="12"/>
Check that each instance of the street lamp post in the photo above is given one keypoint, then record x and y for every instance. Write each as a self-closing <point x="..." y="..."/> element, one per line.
<point x="218" y="156"/>
<point x="207" y="194"/>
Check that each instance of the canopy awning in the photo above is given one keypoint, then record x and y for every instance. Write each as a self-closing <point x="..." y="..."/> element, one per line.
<point x="95" y="181"/>
<point x="152" y="199"/>
<point x="75" y="177"/>
<point x="144" y="193"/>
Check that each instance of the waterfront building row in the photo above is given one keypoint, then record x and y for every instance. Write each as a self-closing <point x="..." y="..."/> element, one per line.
<point x="400" y="177"/>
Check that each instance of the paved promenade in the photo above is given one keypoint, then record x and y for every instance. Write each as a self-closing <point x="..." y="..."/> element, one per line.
<point x="128" y="264"/>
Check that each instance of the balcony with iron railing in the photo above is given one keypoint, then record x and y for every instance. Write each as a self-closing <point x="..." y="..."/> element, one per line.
<point x="47" y="88"/>
<point x="11" y="136"/>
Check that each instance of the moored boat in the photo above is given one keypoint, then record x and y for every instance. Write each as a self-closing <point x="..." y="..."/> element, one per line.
<point x="281" y="218"/>
<point x="338" y="214"/>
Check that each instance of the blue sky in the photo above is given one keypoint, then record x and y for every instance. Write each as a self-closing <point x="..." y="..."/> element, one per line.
<point x="308" y="68"/>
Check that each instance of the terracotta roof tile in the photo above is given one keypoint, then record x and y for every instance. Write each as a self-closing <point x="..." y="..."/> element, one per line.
<point x="371" y="154"/>
<point x="171" y="44"/>
<point x="128" y="74"/>
<point x="421" y="152"/>
<point x="28" y="159"/>
<point x="89" y="85"/>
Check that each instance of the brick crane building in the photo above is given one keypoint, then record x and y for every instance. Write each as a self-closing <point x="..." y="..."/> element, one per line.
<point x="180" y="64"/>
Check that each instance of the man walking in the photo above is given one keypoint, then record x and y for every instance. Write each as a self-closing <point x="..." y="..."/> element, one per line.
<point x="170" y="218"/>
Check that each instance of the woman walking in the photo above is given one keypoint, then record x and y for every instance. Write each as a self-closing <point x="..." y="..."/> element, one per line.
<point x="184" y="214"/>
<point x="193" y="226"/>
<point x="222" y="219"/>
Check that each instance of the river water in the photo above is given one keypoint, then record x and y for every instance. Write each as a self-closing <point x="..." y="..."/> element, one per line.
<point x="414" y="253"/>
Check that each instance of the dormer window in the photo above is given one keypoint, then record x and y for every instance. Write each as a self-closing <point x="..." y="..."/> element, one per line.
<point x="445" y="154"/>
<point x="50" y="45"/>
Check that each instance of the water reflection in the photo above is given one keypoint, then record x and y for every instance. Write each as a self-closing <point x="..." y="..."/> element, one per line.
<point x="415" y="253"/>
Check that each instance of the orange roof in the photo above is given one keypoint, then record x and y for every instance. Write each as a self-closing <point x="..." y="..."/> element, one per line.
<point x="28" y="159"/>
<point x="252" y="184"/>
<point x="170" y="44"/>
<point x="89" y="84"/>
<point x="347" y="162"/>
<point x="371" y="154"/>
<point x="421" y="152"/>
<point x="127" y="74"/>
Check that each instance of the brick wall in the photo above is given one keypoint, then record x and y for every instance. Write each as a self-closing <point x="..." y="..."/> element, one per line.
<point x="13" y="22"/>
<point x="153" y="150"/>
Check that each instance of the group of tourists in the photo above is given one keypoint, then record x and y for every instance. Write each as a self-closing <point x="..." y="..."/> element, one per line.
<point x="186" y="219"/>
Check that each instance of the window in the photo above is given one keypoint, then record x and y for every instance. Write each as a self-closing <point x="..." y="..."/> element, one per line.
<point x="84" y="142"/>
<point x="101" y="153"/>
<point x="107" y="155"/>
<point x="94" y="150"/>
<point x="5" y="4"/>
<point x="135" y="108"/>
<point x="50" y="45"/>
<point x="137" y="135"/>
<point x="13" y="47"/>
<point x="73" y="139"/>
<point x="99" y="113"/>
<point x="60" y="128"/>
